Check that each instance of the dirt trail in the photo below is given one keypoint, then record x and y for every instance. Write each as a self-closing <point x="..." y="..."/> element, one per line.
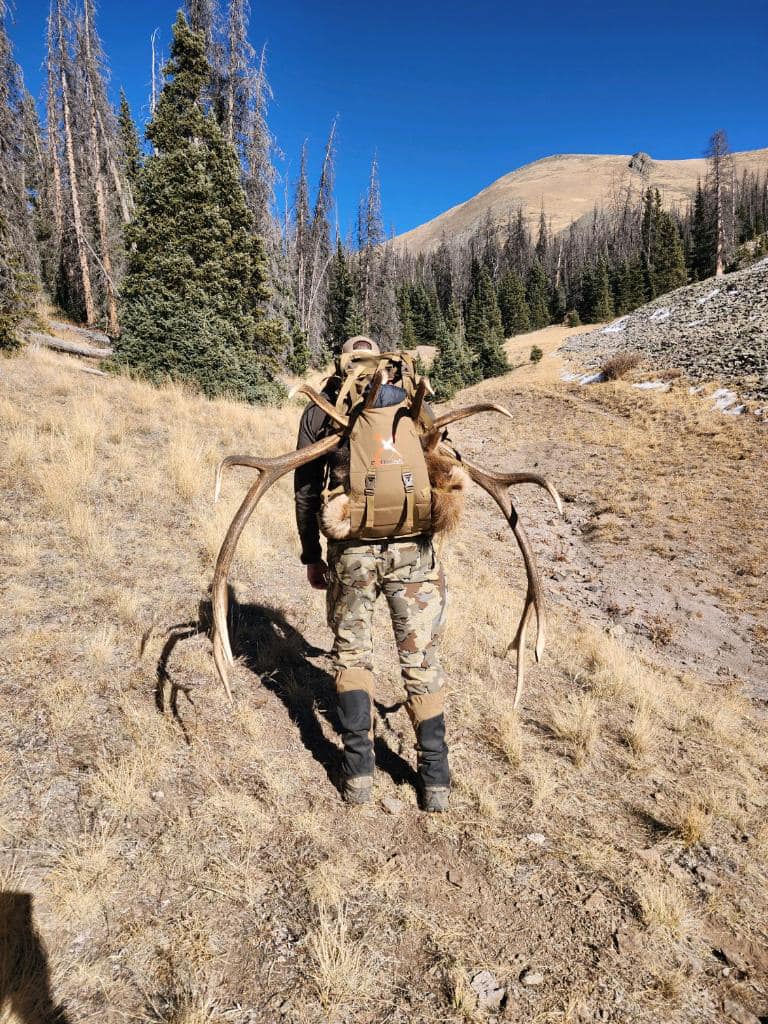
<point x="663" y="540"/>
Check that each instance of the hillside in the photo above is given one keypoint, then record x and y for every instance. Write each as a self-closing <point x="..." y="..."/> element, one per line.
<point x="169" y="858"/>
<point x="568" y="186"/>
<point x="713" y="330"/>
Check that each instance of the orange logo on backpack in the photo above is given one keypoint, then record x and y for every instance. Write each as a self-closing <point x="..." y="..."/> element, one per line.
<point x="387" y="454"/>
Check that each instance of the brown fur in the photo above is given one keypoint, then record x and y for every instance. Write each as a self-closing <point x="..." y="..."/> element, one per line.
<point x="448" y="482"/>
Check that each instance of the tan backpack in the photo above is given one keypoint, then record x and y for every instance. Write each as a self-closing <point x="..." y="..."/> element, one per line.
<point x="379" y="484"/>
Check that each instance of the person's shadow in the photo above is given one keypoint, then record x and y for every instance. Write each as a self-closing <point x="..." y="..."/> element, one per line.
<point x="282" y="659"/>
<point x="25" y="980"/>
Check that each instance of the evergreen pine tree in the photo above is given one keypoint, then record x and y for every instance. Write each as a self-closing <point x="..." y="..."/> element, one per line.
<point x="485" y="334"/>
<point x="536" y="296"/>
<point x="453" y="367"/>
<point x="16" y="292"/>
<point x="702" y="237"/>
<point x="515" y="317"/>
<point x="192" y="296"/>
<point x="343" y="317"/>
<point x="668" y="258"/>
<point x="129" y="141"/>
<point x="603" y="307"/>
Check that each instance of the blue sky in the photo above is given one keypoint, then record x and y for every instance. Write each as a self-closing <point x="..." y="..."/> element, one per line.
<point x="452" y="95"/>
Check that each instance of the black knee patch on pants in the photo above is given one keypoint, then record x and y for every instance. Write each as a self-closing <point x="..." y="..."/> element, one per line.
<point x="433" y="752"/>
<point x="356" y="723"/>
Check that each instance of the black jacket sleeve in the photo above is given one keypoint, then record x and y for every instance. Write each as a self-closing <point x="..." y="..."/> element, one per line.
<point x="308" y="485"/>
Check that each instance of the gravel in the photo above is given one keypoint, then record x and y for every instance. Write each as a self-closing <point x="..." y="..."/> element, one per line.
<point x="715" y="329"/>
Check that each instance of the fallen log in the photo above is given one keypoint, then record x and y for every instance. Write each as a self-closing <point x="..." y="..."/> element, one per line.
<point x="95" y="337"/>
<point x="68" y="346"/>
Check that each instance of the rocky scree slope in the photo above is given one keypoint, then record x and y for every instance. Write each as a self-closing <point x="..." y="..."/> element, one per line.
<point x="714" y="329"/>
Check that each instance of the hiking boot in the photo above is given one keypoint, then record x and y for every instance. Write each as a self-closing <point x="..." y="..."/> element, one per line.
<point x="434" y="799"/>
<point x="432" y="764"/>
<point x="357" y="790"/>
<point x="356" y="720"/>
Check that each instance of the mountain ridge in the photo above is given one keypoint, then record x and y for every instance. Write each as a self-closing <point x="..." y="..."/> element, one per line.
<point x="567" y="186"/>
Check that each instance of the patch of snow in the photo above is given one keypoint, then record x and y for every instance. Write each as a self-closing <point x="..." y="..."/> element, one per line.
<point x="724" y="399"/>
<point x="569" y="377"/>
<point x="537" y="838"/>
<point x="593" y="378"/>
<point x="694" y="323"/>
<point x="617" y="326"/>
<point x="708" y="296"/>
<point x="653" y="385"/>
<point x="761" y="264"/>
<point x="661" y="314"/>
<point x="735" y="410"/>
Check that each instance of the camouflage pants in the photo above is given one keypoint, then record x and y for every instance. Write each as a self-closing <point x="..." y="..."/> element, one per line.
<point x="412" y="580"/>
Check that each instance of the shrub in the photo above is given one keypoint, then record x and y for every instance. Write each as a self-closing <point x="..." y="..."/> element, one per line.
<point x="620" y="364"/>
<point x="536" y="354"/>
<point x="572" y="318"/>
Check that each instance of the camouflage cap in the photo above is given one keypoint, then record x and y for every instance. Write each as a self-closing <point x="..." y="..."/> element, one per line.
<point x="360" y="343"/>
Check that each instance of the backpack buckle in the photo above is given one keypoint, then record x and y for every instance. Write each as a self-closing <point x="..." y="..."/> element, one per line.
<point x="370" y="483"/>
<point x="407" y="480"/>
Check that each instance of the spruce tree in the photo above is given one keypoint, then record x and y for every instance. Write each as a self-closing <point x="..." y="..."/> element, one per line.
<point x="485" y="334"/>
<point x="515" y="317"/>
<point x="453" y="367"/>
<point x="130" y="148"/>
<point x="16" y="292"/>
<point x="603" y="306"/>
<point x="536" y="296"/>
<point x="668" y="259"/>
<point x="343" y="316"/>
<point x="702" y="237"/>
<point x="192" y="296"/>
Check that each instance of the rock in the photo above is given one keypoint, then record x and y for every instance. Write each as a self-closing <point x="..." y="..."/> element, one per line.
<point x="455" y="877"/>
<point x="537" y="838"/>
<point x="651" y="857"/>
<point x="596" y="902"/>
<point x="737" y="1012"/>
<point x="490" y="995"/>
<point x="392" y="805"/>
<point x="707" y="875"/>
<point x="532" y="978"/>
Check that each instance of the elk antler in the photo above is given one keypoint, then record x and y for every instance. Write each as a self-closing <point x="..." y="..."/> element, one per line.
<point x="270" y="470"/>
<point x="418" y="401"/>
<point x="328" y="408"/>
<point x="373" y="390"/>
<point x="497" y="484"/>
<point x="468" y="410"/>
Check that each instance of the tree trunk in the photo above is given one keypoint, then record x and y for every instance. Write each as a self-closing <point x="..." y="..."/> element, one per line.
<point x="68" y="346"/>
<point x="85" y="273"/>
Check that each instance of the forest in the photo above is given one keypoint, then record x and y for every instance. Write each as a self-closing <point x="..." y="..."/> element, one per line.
<point x="172" y="239"/>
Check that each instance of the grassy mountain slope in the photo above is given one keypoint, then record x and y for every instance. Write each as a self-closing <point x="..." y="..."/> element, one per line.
<point x="568" y="186"/>
<point x="189" y="861"/>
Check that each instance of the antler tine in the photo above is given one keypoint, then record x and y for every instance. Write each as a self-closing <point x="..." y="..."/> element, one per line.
<point x="418" y="400"/>
<point x="495" y="484"/>
<point x="270" y="470"/>
<point x="328" y="408"/>
<point x="469" y="410"/>
<point x="373" y="390"/>
<point x="502" y="479"/>
<point x="234" y="460"/>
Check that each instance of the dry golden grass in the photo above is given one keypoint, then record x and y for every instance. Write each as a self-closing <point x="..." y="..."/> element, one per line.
<point x="190" y="861"/>
<point x="663" y="905"/>
<point x="338" y="968"/>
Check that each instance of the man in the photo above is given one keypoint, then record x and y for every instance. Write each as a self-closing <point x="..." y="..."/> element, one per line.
<point x="407" y="572"/>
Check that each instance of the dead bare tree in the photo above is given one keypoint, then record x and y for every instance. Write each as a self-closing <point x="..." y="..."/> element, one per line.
<point x="719" y="155"/>
<point x="60" y="59"/>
